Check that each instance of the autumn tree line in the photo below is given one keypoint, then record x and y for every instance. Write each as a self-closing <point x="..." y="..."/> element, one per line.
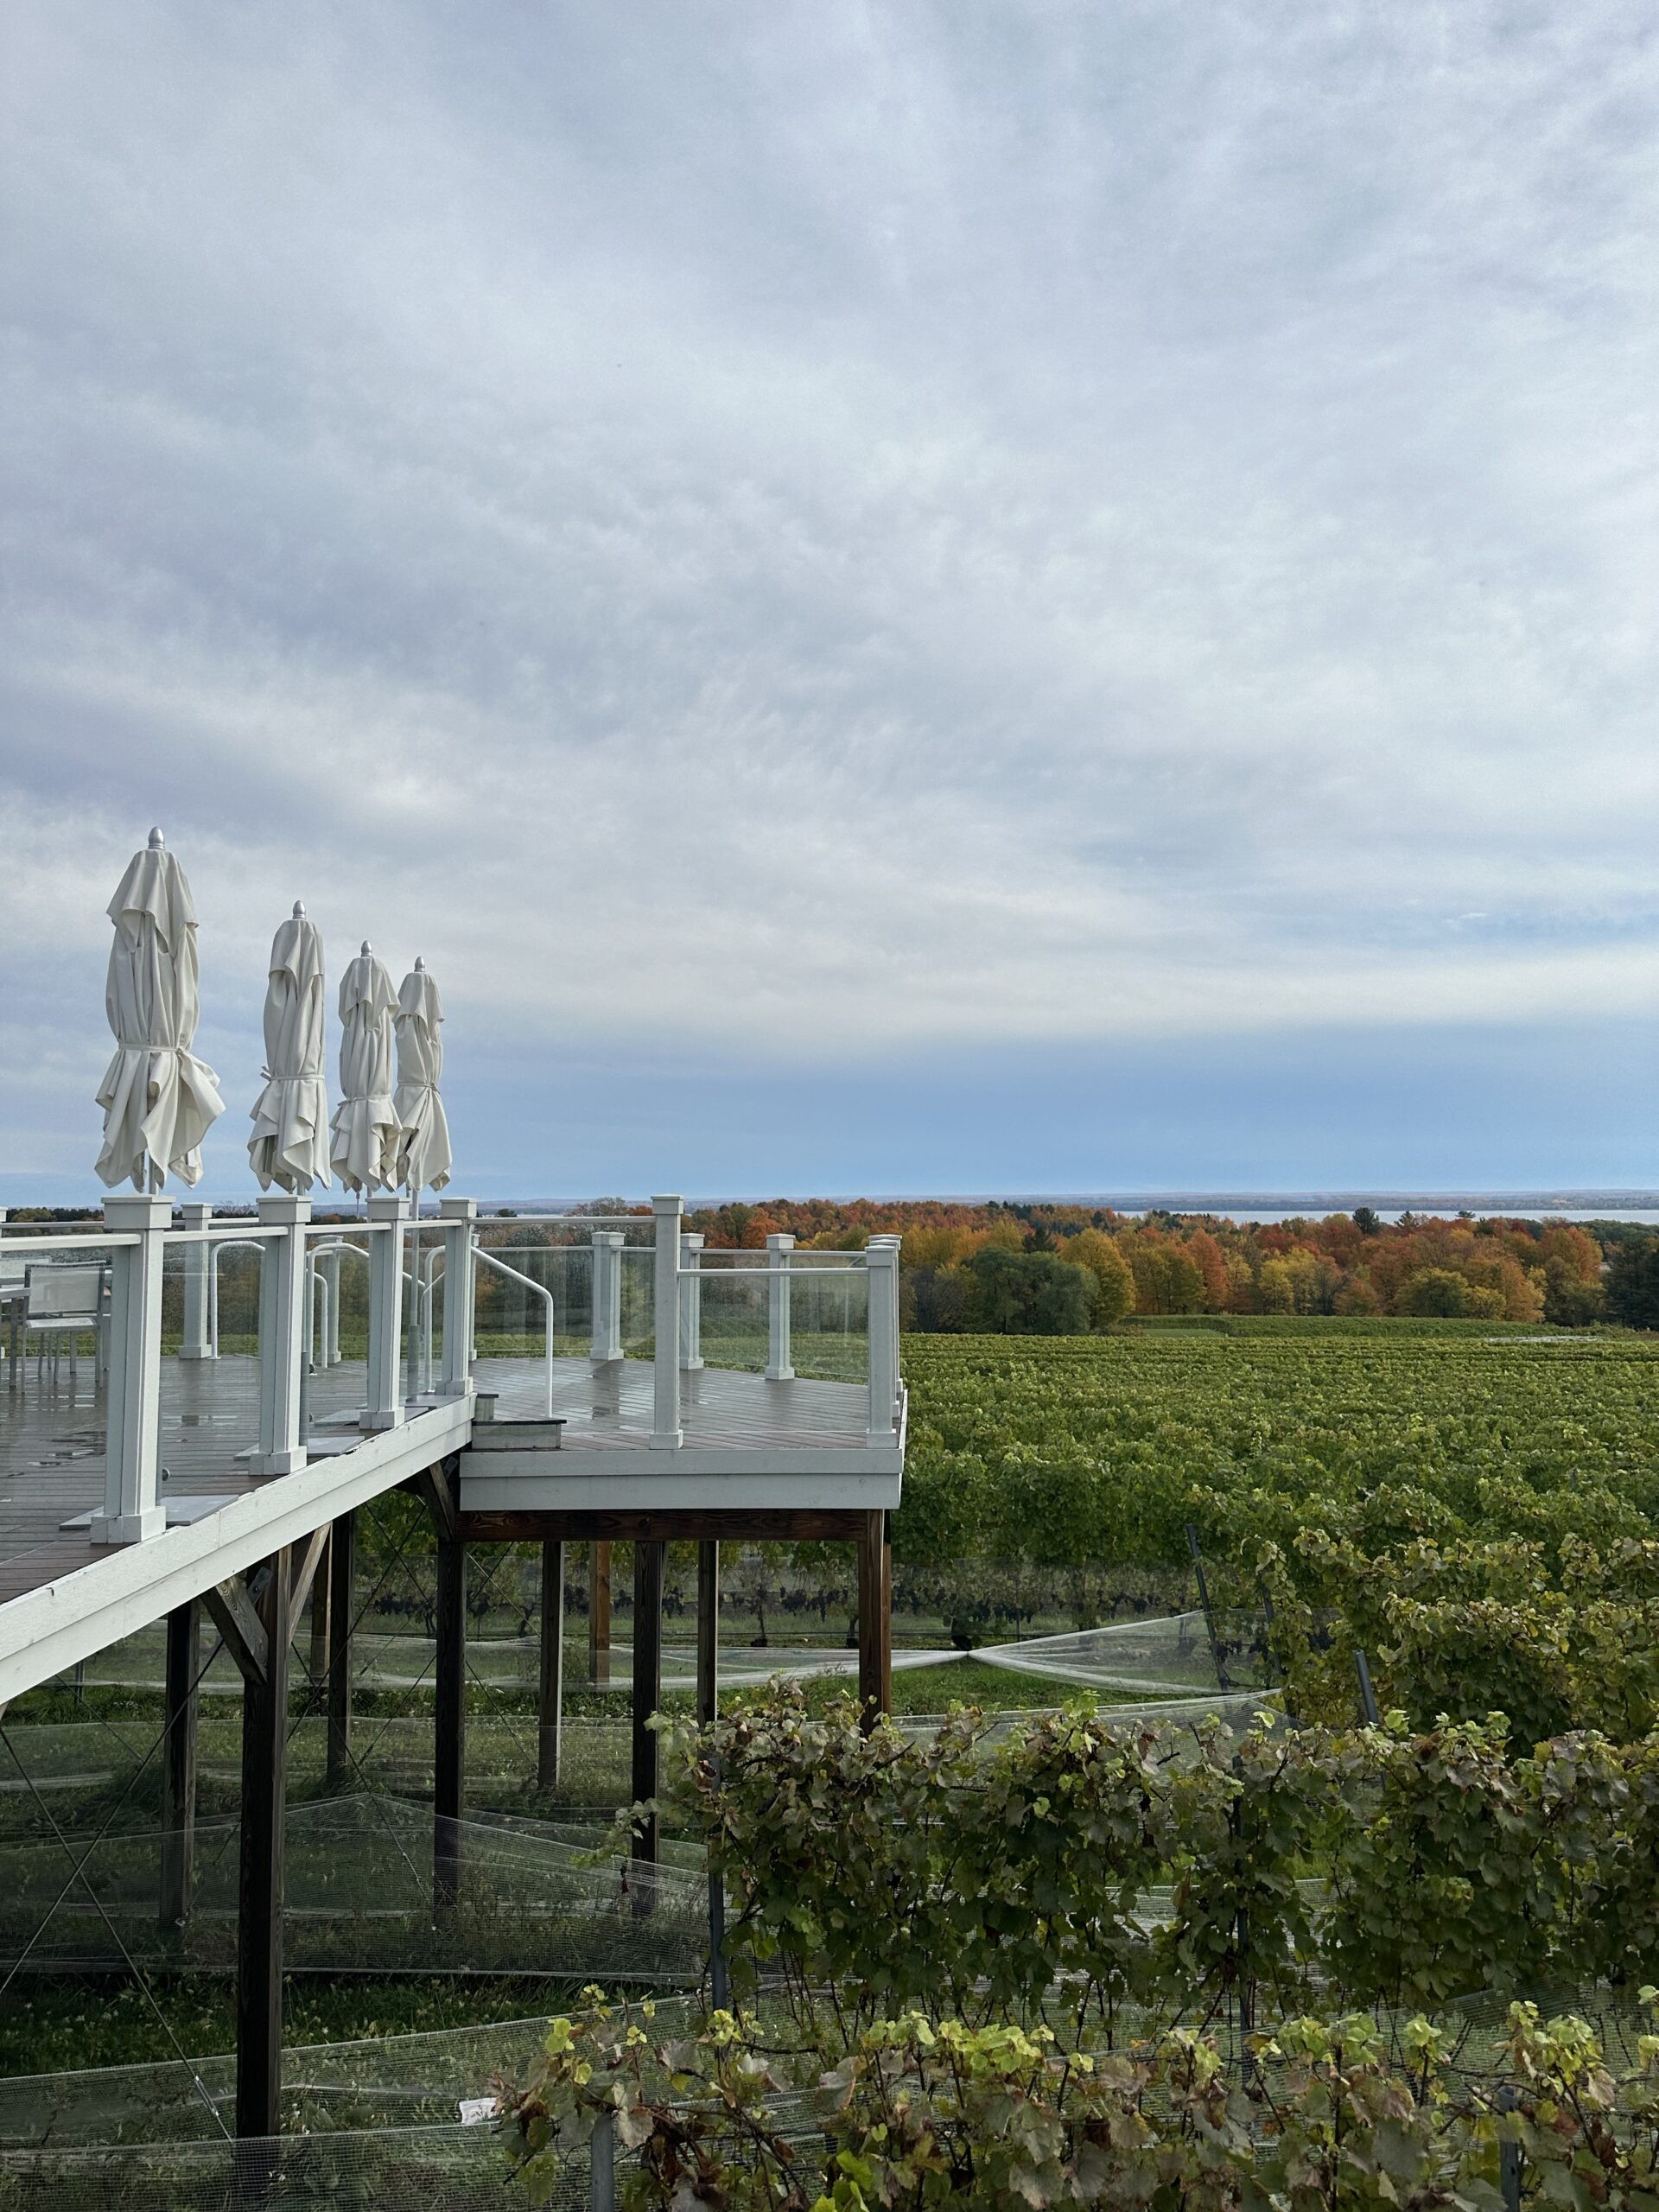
<point x="1059" y="1270"/>
<point x="1030" y="1268"/>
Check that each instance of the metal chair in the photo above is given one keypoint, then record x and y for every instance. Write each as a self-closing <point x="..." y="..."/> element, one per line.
<point x="61" y="1301"/>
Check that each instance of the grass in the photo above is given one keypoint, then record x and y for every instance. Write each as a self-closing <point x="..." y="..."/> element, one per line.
<point x="62" y="2027"/>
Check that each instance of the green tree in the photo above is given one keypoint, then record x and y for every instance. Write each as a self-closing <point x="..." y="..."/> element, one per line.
<point x="1439" y="1292"/>
<point x="1633" y="1284"/>
<point x="1029" y="1293"/>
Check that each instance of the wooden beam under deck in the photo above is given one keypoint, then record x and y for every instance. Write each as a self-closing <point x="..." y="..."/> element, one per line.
<point x="743" y="1524"/>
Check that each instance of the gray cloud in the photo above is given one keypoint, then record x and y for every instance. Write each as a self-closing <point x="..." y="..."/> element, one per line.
<point x="815" y="529"/>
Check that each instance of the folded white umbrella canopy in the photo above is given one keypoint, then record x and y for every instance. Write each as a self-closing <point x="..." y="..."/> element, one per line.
<point x="159" y="1101"/>
<point x="365" y="1149"/>
<point x="424" y="1157"/>
<point x="289" y="1144"/>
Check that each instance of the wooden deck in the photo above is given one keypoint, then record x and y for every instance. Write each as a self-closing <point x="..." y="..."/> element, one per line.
<point x="607" y="1406"/>
<point x="51" y="1437"/>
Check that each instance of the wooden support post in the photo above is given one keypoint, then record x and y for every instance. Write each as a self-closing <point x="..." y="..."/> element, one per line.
<point x="874" y="1629"/>
<point x="259" y="1914"/>
<point x="342" y="1571"/>
<point x="887" y="1615"/>
<point x="450" y="1762"/>
<point x="708" y="1634"/>
<point x="322" y="1596"/>
<point x="548" y="1742"/>
<point x="648" y="1560"/>
<point x="707" y="1713"/>
<point x="183" y="1697"/>
<point x="599" y="1615"/>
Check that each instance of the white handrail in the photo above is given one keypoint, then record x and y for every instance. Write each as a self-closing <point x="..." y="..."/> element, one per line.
<point x="490" y="1261"/>
<point x="575" y="1220"/>
<point x="319" y="1283"/>
<point x="224" y="1245"/>
<point x="719" y="1274"/>
<point x="423" y="1302"/>
<point x="14" y="1245"/>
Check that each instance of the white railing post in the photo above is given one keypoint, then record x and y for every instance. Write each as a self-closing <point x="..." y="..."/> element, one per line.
<point x="385" y="1409"/>
<point x="667" y="1214"/>
<point x="193" y="1344"/>
<point x="458" y="1217"/>
<point x="690" y="1302"/>
<point x="777" y="1366"/>
<point x="328" y="1265"/>
<point x="132" y="1439"/>
<point x="284" y="1336"/>
<point x="607" y="1339"/>
<point x="893" y="1244"/>
<point x="881" y="1265"/>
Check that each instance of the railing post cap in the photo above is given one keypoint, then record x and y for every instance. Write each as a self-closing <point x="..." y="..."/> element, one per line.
<point x="458" y="1209"/>
<point x="282" y="1212"/>
<point x="782" y="1242"/>
<point x="388" y="1206"/>
<point x="127" y="1210"/>
<point x="670" y="1203"/>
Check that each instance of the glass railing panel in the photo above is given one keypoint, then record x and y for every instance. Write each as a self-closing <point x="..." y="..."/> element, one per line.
<point x="733" y="1290"/>
<point x="555" y="1317"/>
<point x="54" y="1291"/>
<point x="532" y="1324"/>
<point x="830" y="1318"/>
<point x="210" y="1374"/>
<point x="336" y="1385"/>
<point x="639" y="1273"/>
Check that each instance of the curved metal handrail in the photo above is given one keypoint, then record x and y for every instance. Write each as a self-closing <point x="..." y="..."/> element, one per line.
<point x="541" y="1291"/>
<point x="223" y="1245"/>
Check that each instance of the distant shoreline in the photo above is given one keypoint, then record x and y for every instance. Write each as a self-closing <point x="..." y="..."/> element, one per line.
<point x="1527" y="1205"/>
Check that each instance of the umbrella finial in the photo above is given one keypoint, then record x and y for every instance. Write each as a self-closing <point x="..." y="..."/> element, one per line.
<point x="367" y="948"/>
<point x="156" y="840"/>
<point x="299" y="909"/>
<point x="420" y="965"/>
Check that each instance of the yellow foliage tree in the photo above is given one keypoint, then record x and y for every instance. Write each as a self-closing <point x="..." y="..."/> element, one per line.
<point x="1114" y="1290"/>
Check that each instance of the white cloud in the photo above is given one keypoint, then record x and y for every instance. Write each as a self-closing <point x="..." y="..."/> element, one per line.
<point x="809" y="530"/>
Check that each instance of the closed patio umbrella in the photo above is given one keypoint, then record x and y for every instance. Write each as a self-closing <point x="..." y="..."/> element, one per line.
<point x="424" y="1157"/>
<point x="289" y="1144"/>
<point x="159" y="1101"/>
<point x="365" y="1148"/>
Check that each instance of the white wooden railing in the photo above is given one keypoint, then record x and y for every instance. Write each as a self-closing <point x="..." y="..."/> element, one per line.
<point x="136" y="1241"/>
<point x="138" y="1234"/>
<point x="682" y="1268"/>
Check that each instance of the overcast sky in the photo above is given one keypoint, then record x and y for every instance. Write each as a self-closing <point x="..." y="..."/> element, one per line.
<point x="897" y="598"/>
